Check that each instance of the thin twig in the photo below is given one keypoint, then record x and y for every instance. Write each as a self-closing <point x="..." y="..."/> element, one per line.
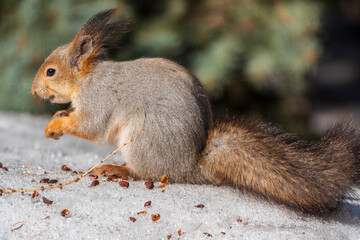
<point x="9" y="190"/>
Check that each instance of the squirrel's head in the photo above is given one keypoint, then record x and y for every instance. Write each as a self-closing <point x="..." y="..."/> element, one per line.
<point x="60" y="76"/>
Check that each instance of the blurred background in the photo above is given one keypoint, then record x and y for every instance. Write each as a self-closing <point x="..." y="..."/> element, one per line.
<point x="294" y="62"/>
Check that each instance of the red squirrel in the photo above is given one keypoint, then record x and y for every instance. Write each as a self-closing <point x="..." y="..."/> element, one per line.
<point x="166" y="113"/>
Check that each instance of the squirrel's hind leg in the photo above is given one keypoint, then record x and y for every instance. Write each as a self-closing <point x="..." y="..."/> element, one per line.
<point x="112" y="170"/>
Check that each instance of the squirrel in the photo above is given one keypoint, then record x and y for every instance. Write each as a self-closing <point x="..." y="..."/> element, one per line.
<point x="166" y="113"/>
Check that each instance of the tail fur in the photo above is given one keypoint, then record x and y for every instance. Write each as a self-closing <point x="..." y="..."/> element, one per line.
<point x="312" y="177"/>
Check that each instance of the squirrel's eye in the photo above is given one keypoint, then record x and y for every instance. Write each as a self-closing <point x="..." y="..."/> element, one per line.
<point x="50" y="72"/>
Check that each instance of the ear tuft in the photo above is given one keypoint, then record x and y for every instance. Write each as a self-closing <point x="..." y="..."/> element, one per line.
<point x="102" y="31"/>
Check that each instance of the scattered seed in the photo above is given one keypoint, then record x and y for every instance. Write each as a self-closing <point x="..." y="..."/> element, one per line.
<point x="180" y="232"/>
<point x="239" y="220"/>
<point x="223" y="233"/>
<point x="47" y="201"/>
<point x="65" y="168"/>
<point x="207" y="234"/>
<point x="245" y="223"/>
<point x="5" y="168"/>
<point x="142" y="212"/>
<point x="155" y="217"/>
<point x="94" y="183"/>
<point x="54" y="181"/>
<point x="164" y="179"/>
<point x="149" y="184"/>
<point x="1" y="192"/>
<point x="33" y="180"/>
<point x="124" y="184"/>
<point x="200" y="205"/>
<point x="65" y="213"/>
<point x="169" y="236"/>
<point x="163" y="190"/>
<point x="93" y="176"/>
<point x="132" y="219"/>
<point x="147" y="204"/>
<point x="35" y="194"/>
<point x="44" y="180"/>
<point x="162" y="185"/>
<point x="112" y="178"/>
<point x="1" y="165"/>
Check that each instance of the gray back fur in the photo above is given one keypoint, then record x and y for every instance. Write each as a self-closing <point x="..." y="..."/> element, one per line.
<point x="154" y="102"/>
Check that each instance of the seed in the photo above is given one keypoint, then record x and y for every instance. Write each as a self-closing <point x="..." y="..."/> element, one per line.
<point x="35" y="194"/>
<point x="200" y="206"/>
<point x="65" y="168"/>
<point x="47" y="201"/>
<point x="124" y="184"/>
<point x="147" y="204"/>
<point x="155" y="217"/>
<point x="149" y="184"/>
<point x="45" y="180"/>
<point x="94" y="183"/>
<point x="65" y="213"/>
<point x="164" y="179"/>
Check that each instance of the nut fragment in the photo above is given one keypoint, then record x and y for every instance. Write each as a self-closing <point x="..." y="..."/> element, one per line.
<point x="93" y="176"/>
<point x="94" y="183"/>
<point x="65" y="168"/>
<point x="35" y="194"/>
<point x="47" y="201"/>
<point x="112" y="178"/>
<point x="147" y="204"/>
<point x="44" y="180"/>
<point x="132" y="219"/>
<point x="142" y="212"/>
<point x="5" y="168"/>
<point x="124" y="184"/>
<point x="200" y="205"/>
<point x="155" y="217"/>
<point x="164" y="179"/>
<point x="149" y="184"/>
<point x="65" y="213"/>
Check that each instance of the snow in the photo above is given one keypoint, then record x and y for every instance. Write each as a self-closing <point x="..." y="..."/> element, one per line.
<point x="103" y="211"/>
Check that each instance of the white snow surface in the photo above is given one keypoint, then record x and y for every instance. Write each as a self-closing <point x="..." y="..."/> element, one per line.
<point x="103" y="212"/>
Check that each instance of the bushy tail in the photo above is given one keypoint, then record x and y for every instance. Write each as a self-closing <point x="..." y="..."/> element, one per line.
<point x="312" y="177"/>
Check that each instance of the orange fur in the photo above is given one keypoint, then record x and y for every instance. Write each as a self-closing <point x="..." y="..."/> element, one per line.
<point x="65" y="125"/>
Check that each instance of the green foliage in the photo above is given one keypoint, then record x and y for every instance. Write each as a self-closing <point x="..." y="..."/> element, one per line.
<point x="267" y="46"/>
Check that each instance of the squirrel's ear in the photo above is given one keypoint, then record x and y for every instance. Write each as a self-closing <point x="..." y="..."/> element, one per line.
<point x="80" y="51"/>
<point x="101" y="32"/>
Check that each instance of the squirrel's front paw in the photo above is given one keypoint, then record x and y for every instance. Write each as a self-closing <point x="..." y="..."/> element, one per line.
<point x="54" y="129"/>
